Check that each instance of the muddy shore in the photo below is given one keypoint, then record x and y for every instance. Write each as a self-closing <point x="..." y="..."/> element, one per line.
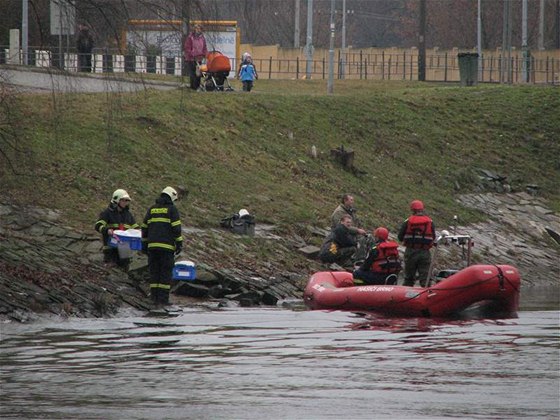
<point x="48" y="268"/>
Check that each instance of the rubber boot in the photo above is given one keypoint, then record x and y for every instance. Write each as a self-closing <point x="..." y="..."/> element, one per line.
<point x="154" y="295"/>
<point x="163" y="297"/>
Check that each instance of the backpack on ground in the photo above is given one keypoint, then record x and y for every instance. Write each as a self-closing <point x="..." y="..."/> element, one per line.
<point x="242" y="225"/>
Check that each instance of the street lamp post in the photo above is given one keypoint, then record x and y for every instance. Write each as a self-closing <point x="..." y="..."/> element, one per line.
<point x="296" y="24"/>
<point x="343" y="46"/>
<point x="25" y="30"/>
<point x="330" y="83"/>
<point x="309" y="41"/>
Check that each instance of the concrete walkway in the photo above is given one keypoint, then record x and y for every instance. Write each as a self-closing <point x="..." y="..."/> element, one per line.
<point x="37" y="80"/>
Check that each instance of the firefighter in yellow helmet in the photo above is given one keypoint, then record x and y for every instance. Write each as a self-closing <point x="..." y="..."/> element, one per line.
<point x="117" y="215"/>
<point x="161" y="239"/>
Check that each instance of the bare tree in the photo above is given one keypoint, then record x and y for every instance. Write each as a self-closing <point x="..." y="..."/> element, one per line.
<point x="10" y="146"/>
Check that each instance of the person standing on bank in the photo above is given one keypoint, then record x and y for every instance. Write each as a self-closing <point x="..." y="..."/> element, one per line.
<point x="346" y="207"/>
<point x="116" y="216"/>
<point x="417" y="233"/>
<point x="161" y="239"/>
<point x="382" y="264"/>
<point x="84" y="46"/>
<point x="195" y="51"/>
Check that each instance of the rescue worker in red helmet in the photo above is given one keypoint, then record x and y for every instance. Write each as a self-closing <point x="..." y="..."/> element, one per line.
<point x="382" y="264"/>
<point x="417" y="233"/>
<point x="117" y="215"/>
<point x="161" y="238"/>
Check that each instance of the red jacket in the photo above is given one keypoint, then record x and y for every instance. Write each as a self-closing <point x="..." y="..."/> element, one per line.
<point x="195" y="47"/>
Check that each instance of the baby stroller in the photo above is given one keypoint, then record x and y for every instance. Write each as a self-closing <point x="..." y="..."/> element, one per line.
<point x="215" y="72"/>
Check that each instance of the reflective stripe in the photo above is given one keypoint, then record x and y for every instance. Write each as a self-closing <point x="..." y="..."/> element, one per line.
<point x="161" y="245"/>
<point x="159" y="219"/>
<point x="179" y="239"/>
<point x="177" y="223"/>
<point x="160" y="286"/>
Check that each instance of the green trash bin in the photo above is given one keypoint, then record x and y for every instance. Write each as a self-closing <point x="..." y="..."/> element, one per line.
<point x="468" y="68"/>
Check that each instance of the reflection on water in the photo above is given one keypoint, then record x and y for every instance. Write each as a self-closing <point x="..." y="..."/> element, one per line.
<point x="281" y="364"/>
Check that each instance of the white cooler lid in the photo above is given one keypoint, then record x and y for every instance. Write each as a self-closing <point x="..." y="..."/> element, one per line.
<point x="185" y="262"/>
<point x="130" y="233"/>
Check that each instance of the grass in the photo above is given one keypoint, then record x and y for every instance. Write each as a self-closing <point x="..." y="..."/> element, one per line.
<point x="234" y="150"/>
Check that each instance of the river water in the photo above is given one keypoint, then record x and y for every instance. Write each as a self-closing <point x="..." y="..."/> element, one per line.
<point x="282" y="363"/>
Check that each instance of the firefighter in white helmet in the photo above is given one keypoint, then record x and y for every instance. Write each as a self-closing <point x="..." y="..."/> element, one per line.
<point x="161" y="240"/>
<point x="117" y="215"/>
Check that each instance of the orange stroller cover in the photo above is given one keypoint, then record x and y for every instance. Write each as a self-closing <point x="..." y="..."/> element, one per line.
<point x="217" y="62"/>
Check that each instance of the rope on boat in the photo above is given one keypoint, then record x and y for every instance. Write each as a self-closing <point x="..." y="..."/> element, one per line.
<point x="500" y="276"/>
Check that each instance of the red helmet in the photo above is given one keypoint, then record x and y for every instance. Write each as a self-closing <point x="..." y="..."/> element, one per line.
<point x="381" y="233"/>
<point x="416" y="205"/>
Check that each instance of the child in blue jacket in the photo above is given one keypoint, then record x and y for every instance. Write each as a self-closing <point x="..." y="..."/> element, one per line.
<point x="247" y="73"/>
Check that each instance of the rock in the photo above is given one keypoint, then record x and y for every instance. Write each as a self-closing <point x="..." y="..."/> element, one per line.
<point x="553" y="234"/>
<point x="310" y="251"/>
<point x="187" y="288"/>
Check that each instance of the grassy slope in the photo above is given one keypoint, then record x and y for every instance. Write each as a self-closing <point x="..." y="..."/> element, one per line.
<point x="252" y="150"/>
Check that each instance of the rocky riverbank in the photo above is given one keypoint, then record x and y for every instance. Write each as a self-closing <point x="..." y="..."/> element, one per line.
<point x="46" y="267"/>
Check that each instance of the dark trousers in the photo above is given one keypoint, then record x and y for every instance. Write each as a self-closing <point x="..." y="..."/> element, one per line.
<point x="416" y="261"/>
<point x="84" y="62"/>
<point x="342" y="256"/>
<point x="160" y="263"/>
<point x="370" y="277"/>
<point x="247" y="85"/>
<point x="111" y="255"/>
<point x="191" y="72"/>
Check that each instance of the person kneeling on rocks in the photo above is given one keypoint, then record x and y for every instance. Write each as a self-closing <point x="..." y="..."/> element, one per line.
<point x="116" y="216"/>
<point x="340" y="245"/>
<point x="382" y="264"/>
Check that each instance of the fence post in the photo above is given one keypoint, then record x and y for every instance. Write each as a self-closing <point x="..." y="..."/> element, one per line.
<point x="361" y="65"/>
<point x="383" y="65"/>
<point x="338" y="66"/>
<point x="411" y="64"/>
<point x="445" y="69"/>
<point x="270" y="68"/>
<point x="297" y="67"/>
<point x="365" y="70"/>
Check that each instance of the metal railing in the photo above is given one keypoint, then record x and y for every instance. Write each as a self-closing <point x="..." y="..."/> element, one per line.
<point x="442" y="67"/>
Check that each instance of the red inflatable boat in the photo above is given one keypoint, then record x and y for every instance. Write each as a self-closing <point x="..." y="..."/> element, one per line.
<point x="494" y="288"/>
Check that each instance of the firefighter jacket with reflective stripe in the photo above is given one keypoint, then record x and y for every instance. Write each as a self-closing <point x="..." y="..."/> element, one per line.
<point x="417" y="232"/>
<point x="161" y="228"/>
<point x="385" y="258"/>
<point x="112" y="218"/>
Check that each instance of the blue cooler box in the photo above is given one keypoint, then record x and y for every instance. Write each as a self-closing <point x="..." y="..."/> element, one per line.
<point x="184" y="270"/>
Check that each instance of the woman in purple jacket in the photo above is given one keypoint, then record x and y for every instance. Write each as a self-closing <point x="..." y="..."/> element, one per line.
<point x="195" y="52"/>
